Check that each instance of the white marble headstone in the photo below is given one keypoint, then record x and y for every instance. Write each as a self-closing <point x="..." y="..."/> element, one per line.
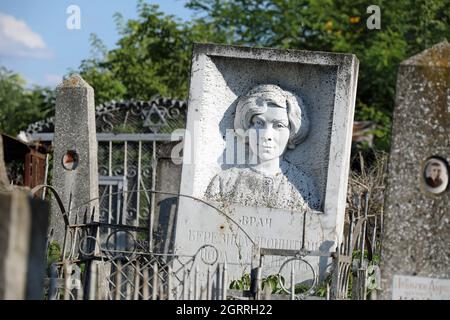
<point x="324" y="87"/>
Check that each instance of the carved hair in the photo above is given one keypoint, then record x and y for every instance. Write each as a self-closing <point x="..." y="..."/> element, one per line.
<point x="255" y="102"/>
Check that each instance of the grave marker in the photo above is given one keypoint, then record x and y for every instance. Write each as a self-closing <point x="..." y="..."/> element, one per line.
<point x="75" y="174"/>
<point x="307" y="96"/>
<point x="416" y="238"/>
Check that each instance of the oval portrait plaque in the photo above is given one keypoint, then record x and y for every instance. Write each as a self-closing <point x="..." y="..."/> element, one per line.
<point x="435" y="175"/>
<point x="70" y="160"/>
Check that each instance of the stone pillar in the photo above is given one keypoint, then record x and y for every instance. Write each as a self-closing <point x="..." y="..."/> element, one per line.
<point x="168" y="176"/>
<point x="4" y="182"/>
<point x="23" y="230"/>
<point x="417" y="210"/>
<point x="75" y="174"/>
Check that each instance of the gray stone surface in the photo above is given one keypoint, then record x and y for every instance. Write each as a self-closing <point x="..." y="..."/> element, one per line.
<point x="37" y="257"/>
<point x="416" y="228"/>
<point x="4" y="182"/>
<point x="420" y="288"/>
<point x="23" y="231"/>
<point x="268" y="121"/>
<point x="75" y="130"/>
<point x="167" y="180"/>
<point x="266" y="227"/>
<point x="326" y="83"/>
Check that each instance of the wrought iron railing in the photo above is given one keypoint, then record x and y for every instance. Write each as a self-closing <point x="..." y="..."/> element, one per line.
<point x="101" y="260"/>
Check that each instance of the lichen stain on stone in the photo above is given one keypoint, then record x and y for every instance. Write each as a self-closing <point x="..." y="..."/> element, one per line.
<point x="436" y="56"/>
<point x="439" y="79"/>
<point x="429" y="73"/>
<point x="74" y="81"/>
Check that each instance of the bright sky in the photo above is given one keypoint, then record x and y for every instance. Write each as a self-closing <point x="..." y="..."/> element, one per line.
<point x="35" y="41"/>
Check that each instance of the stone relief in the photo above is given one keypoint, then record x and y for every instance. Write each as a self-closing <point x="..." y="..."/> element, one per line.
<point x="269" y="120"/>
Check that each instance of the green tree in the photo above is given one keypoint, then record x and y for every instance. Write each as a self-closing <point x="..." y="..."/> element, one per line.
<point x="154" y="52"/>
<point x="152" y="57"/>
<point x="407" y="27"/>
<point x="20" y="106"/>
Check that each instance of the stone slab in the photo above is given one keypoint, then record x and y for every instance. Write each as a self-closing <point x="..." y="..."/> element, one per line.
<point x="219" y="76"/>
<point x="420" y="288"/>
<point x="23" y="231"/>
<point x="234" y="231"/>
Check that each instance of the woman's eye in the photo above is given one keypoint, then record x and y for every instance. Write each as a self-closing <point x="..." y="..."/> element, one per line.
<point x="258" y="122"/>
<point x="280" y="125"/>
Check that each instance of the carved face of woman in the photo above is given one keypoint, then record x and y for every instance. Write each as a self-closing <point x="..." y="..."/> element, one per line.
<point x="271" y="130"/>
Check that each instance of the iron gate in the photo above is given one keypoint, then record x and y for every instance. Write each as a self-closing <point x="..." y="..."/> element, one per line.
<point x="132" y="138"/>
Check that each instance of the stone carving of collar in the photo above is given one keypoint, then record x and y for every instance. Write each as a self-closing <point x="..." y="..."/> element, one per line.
<point x="281" y="170"/>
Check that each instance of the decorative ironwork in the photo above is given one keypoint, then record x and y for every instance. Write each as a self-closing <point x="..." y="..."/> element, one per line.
<point x="116" y="255"/>
<point x="159" y="115"/>
<point x="114" y="260"/>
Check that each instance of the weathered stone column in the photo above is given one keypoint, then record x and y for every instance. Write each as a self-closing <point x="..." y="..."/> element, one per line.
<point x="75" y="174"/>
<point x="416" y="240"/>
<point x="23" y="230"/>
<point x="4" y="182"/>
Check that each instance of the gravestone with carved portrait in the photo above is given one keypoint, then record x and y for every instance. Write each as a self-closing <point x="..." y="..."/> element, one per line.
<point x="416" y="244"/>
<point x="266" y="154"/>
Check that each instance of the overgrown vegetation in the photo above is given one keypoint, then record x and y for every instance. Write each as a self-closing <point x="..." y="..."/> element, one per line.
<point x="365" y="200"/>
<point x="152" y="56"/>
<point x="53" y="254"/>
<point x="273" y="282"/>
<point x="20" y="106"/>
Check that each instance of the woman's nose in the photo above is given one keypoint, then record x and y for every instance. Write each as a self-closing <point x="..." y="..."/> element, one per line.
<point x="267" y="133"/>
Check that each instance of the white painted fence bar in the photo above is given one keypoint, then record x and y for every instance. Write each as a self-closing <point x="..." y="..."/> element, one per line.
<point x="118" y="281"/>
<point x="191" y="289"/>
<point x="169" y="283"/>
<point x="208" y="284"/>
<point x="292" y="282"/>
<point x="145" y="284"/>
<point x="67" y="269"/>
<point x="155" y="281"/>
<point x="196" y="283"/>
<point x="117" y="137"/>
<point x="136" y="281"/>
<point x="224" y="281"/>
<point x="183" y="291"/>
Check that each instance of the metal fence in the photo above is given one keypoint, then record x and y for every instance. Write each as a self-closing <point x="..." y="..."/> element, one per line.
<point x="132" y="138"/>
<point x="113" y="260"/>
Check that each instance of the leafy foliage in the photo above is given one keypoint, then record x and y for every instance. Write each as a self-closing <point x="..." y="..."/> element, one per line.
<point x="273" y="281"/>
<point x="407" y="27"/>
<point x="241" y="284"/>
<point x="153" y="55"/>
<point x="20" y="106"/>
<point x="366" y="197"/>
<point x="53" y="253"/>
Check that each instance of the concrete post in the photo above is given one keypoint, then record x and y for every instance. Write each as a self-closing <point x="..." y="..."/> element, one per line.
<point x="75" y="174"/>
